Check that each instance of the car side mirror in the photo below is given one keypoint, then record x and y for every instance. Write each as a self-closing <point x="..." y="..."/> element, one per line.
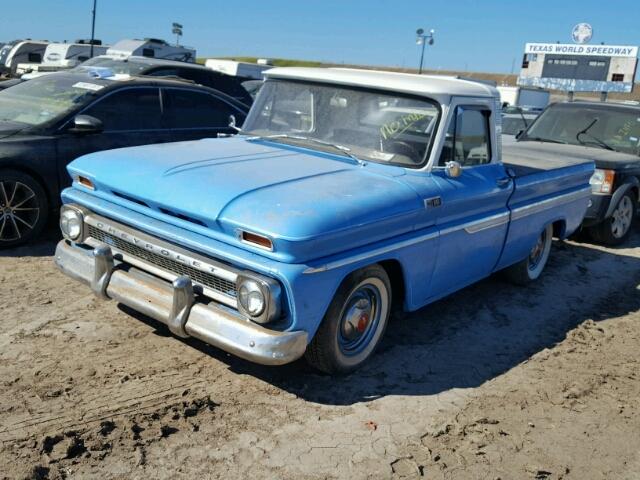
<point x="86" y="124"/>
<point x="453" y="169"/>
<point x="232" y="123"/>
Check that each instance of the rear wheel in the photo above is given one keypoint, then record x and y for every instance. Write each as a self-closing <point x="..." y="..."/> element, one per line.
<point x="615" y="229"/>
<point x="354" y="323"/>
<point x="23" y="208"/>
<point x="531" y="268"/>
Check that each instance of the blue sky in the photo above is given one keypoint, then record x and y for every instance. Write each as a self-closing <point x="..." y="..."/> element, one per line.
<point x="470" y="35"/>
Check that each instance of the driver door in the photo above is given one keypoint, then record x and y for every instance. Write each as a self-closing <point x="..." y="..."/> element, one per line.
<point x="473" y="215"/>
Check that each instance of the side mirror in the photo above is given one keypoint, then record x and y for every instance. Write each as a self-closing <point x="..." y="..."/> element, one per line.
<point x="232" y="123"/>
<point x="453" y="169"/>
<point x="86" y="124"/>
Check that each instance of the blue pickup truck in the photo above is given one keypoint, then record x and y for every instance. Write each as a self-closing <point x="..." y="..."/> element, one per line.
<point x="349" y="194"/>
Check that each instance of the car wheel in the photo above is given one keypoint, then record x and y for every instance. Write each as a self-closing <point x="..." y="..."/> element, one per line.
<point x="24" y="208"/>
<point x="615" y="229"/>
<point x="354" y="323"/>
<point x="531" y="268"/>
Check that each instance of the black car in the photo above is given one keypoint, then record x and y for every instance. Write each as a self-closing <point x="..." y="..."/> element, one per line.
<point x="609" y="134"/>
<point x="156" y="67"/>
<point x="47" y="122"/>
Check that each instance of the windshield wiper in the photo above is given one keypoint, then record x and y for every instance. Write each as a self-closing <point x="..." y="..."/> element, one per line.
<point x="547" y="140"/>
<point x="341" y="148"/>
<point x="599" y="142"/>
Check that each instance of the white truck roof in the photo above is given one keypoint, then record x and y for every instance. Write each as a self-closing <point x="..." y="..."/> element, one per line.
<point x="422" y="85"/>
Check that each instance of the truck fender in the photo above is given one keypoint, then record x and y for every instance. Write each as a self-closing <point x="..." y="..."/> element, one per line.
<point x="620" y="191"/>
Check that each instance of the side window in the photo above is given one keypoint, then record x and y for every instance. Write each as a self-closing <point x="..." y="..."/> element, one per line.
<point x="468" y="140"/>
<point x="164" y="72"/>
<point x="191" y="109"/>
<point x="130" y="109"/>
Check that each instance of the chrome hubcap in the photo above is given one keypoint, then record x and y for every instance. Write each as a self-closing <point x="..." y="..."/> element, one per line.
<point x="537" y="251"/>
<point x="360" y="319"/>
<point x="621" y="218"/>
<point x="19" y="210"/>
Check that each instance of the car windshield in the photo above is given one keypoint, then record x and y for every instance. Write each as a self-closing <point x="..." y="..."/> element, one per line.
<point x="37" y="101"/>
<point x="512" y="124"/>
<point x="608" y="127"/>
<point x="369" y="125"/>
<point x="125" y="67"/>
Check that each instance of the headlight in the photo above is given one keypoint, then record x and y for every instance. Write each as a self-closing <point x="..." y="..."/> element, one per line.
<point x="258" y="297"/>
<point x="71" y="223"/>
<point x="602" y="181"/>
<point x="251" y="298"/>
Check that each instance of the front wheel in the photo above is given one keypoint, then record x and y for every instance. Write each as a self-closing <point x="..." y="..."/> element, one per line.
<point x="354" y="323"/>
<point x="23" y="208"/>
<point x="615" y="229"/>
<point x="531" y="268"/>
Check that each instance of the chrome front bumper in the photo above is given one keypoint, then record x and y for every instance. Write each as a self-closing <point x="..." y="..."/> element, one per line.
<point x="174" y="305"/>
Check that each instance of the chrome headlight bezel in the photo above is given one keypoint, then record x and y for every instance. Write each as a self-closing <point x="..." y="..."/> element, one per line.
<point x="70" y="212"/>
<point x="269" y="289"/>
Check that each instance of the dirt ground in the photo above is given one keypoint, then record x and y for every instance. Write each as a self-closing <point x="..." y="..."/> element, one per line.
<point x="495" y="382"/>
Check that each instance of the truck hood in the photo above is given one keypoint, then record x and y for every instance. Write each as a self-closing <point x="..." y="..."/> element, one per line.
<point x="310" y="203"/>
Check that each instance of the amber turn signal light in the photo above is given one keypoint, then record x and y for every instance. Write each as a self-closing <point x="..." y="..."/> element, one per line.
<point x="85" y="182"/>
<point x="255" y="239"/>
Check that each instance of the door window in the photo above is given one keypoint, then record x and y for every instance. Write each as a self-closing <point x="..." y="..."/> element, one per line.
<point x="191" y="109"/>
<point x="468" y="139"/>
<point x="130" y="109"/>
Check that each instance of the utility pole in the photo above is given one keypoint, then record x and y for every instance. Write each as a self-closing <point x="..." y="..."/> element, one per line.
<point x="422" y="39"/>
<point x="93" y="27"/>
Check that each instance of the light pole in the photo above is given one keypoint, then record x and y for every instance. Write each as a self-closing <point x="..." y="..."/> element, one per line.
<point x="177" y="31"/>
<point x="422" y="39"/>
<point x="93" y="27"/>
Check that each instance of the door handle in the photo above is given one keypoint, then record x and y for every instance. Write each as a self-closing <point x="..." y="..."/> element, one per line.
<point x="503" y="182"/>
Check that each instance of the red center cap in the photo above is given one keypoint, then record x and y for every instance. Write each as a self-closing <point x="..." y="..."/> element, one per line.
<point x="362" y="322"/>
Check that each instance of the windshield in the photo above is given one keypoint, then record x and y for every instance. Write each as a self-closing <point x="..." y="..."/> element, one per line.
<point x="37" y="101"/>
<point x="116" y="66"/>
<point x="373" y="126"/>
<point x="612" y="128"/>
<point x="512" y="124"/>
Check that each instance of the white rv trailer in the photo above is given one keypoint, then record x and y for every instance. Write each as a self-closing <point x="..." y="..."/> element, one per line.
<point x="238" y="69"/>
<point x="151" y="48"/>
<point x="21" y="51"/>
<point x="59" y="56"/>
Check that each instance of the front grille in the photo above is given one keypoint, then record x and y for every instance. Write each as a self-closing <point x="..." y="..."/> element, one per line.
<point x="213" y="282"/>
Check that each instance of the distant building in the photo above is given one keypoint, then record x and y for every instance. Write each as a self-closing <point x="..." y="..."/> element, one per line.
<point x="579" y="67"/>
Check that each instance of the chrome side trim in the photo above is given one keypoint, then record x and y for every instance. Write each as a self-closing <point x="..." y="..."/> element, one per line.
<point x="479" y="225"/>
<point x="537" y="207"/>
<point x="373" y="253"/>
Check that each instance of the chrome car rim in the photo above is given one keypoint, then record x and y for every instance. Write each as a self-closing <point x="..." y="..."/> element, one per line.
<point x="621" y="218"/>
<point x="19" y="210"/>
<point x="537" y="252"/>
<point x="360" y="319"/>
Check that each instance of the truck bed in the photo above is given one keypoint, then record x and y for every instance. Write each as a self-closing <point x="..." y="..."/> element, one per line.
<point x="545" y="170"/>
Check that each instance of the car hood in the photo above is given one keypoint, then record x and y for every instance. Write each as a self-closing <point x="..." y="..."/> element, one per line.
<point x="8" y="129"/>
<point x="310" y="203"/>
<point x="601" y="157"/>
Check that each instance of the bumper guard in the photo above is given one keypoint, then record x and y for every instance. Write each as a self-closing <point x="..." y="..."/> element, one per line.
<point x="174" y="304"/>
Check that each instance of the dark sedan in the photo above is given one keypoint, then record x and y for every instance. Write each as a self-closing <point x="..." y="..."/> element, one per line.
<point x="47" y="122"/>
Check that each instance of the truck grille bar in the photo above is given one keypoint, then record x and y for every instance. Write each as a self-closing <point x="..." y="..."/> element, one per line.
<point x="224" y="287"/>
